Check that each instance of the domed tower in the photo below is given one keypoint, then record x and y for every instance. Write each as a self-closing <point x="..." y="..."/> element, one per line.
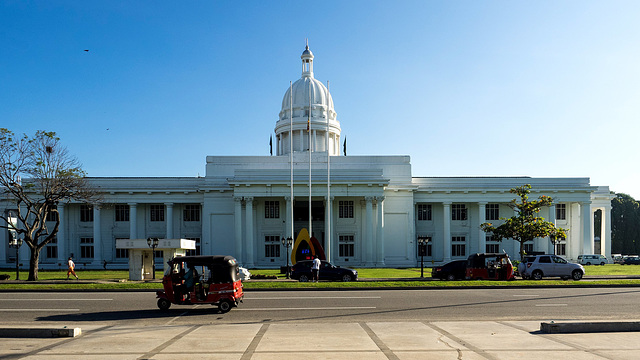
<point x="307" y="110"/>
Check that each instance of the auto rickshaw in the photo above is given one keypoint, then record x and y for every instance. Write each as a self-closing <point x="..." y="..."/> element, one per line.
<point x="215" y="280"/>
<point x="489" y="266"/>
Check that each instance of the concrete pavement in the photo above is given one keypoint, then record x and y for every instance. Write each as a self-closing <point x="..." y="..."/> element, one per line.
<point x="325" y="340"/>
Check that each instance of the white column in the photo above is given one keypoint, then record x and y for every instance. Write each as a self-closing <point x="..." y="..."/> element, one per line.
<point x="97" y="236"/>
<point x="380" y="232"/>
<point x="169" y="221"/>
<point x="237" y="218"/>
<point x="62" y="235"/>
<point x="369" y="232"/>
<point x="482" y="218"/>
<point x="328" y="221"/>
<point x="446" y="224"/>
<point x="552" y="219"/>
<point x="287" y="218"/>
<point x="586" y="222"/>
<point x="133" y="221"/>
<point x="302" y="140"/>
<point x="605" y="238"/>
<point x="250" y="245"/>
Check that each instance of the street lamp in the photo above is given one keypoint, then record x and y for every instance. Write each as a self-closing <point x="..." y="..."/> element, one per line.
<point x="422" y="251"/>
<point x="287" y="243"/>
<point x="153" y="243"/>
<point x="16" y="243"/>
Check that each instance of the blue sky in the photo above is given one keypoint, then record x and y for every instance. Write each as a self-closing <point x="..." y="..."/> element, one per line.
<point x="467" y="88"/>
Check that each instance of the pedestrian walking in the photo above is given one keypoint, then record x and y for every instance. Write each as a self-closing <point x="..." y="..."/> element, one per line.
<point x="71" y="268"/>
<point x="315" y="269"/>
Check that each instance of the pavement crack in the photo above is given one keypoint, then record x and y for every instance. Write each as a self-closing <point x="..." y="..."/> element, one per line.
<point x="442" y="340"/>
<point x="165" y="344"/>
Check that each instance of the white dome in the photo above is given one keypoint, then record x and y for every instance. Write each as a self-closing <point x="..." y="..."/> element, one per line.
<point x="295" y="115"/>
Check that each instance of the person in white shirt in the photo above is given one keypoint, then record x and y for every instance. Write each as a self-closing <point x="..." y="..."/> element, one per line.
<point x="315" y="269"/>
<point x="71" y="267"/>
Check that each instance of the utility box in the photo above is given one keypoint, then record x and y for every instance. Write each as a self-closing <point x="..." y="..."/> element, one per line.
<point x="141" y="255"/>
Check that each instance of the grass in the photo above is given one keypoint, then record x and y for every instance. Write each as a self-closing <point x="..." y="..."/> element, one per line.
<point x="117" y="280"/>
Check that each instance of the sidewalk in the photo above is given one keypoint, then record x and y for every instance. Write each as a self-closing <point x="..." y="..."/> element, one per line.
<point x="350" y="341"/>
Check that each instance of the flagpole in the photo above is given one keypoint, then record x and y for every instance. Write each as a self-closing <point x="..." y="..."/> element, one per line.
<point x="328" y="236"/>
<point x="309" y="132"/>
<point x="291" y="150"/>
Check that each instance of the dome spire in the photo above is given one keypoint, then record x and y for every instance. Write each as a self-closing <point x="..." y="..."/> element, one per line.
<point x="307" y="61"/>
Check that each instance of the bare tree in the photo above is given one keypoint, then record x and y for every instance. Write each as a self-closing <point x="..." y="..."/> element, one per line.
<point x="37" y="173"/>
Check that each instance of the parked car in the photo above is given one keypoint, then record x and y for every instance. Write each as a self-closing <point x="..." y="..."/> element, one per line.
<point x="592" y="259"/>
<point x="301" y="271"/>
<point x="631" y="260"/>
<point x="489" y="266"/>
<point x="617" y="258"/>
<point x="539" y="266"/>
<point x="453" y="270"/>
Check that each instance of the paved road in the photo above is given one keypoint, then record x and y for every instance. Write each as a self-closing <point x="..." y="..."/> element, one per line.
<point x="415" y="324"/>
<point x="333" y="306"/>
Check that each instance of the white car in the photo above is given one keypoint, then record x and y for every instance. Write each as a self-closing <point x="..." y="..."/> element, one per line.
<point x="244" y="273"/>
<point x="539" y="266"/>
<point x="592" y="259"/>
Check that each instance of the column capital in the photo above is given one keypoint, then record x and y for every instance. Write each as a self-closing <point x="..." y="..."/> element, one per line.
<point x="483" y="203"/>
<point x="380" y="198"/>
<point x="168" y="204"/>
<point x="369" y="198"/>
<point x="132" y="204"/>
<point x="447" y="203"/>
<point x="287" y="198"/>
<point x="237" y="199"/>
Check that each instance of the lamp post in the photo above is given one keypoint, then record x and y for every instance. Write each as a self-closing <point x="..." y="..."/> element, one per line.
<point x="16" y="243"/>
<point x="153" y="243"/>
<point x="287" y="243"/>
<point x="422" y="251"/>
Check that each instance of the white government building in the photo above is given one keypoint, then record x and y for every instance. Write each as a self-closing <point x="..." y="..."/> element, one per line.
<point x="371" y="215"/>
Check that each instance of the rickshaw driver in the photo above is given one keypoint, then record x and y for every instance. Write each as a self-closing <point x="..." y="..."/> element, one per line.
<point x="189" y="280"/>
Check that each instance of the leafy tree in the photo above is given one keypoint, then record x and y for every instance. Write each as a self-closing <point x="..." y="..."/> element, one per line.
<point x="525" y="225"/>
<point x="625" y="225"/>
<point x="36" y="173"/>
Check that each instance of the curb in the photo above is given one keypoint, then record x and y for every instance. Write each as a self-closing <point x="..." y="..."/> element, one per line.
<point x="39" y="332"/>
<point x="589" y="327"/>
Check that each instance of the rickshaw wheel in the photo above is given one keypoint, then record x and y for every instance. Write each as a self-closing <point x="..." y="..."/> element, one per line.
<point x="224" y="306"/>
<point x="163" y="304"/>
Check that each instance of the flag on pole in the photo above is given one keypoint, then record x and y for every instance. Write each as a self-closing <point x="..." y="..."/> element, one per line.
<point x="271" y="145"/>
<point x="344" y="147"/>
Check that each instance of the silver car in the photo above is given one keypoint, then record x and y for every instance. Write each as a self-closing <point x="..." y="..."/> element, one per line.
<point x="539" y="266"/>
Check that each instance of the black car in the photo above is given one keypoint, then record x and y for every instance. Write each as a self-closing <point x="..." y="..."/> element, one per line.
<point x="302" y="271"/>
<point x="631" y="260"/>
<point x="450" y="271"/>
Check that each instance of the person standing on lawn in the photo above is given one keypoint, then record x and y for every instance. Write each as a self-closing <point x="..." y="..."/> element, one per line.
<point x="71" y="268"/>
<point x="315" y="269"/>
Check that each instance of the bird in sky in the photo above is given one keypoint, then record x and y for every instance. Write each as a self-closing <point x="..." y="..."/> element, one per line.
<point x="87" y="50"/>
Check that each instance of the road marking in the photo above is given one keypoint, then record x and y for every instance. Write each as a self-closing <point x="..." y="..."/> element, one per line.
<point x="67" y="299"/>
<point x="312" y="297"/>
<point x="310" y="308"/>
<point x="14" y="310"/>
<point x="551" y="305"/>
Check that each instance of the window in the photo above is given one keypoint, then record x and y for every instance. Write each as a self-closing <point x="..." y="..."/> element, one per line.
<point x="191" y="212"/>
<point x="424" y="212"/>
<point x="458" y="245"/>
<point x="458" y="212"/>
<point x="122" y="253"/>
<point x="196" y="251"/>
<point x="272" y="209"/>
<point x="545" y="260"/>
<point x="346" y="245"/>
<point x="86" y="213"/>
<point x="157" y="212"/>
<point x="52" y="249"/>
<point x="528" y="247"/>
<point x="53" y="215"/>
<point x="272" y="246"/>
<point x="561" y="211"/>
<point x="561" y="249"/>
<point x="345" y="209"/>
<point x="86" y="248"/>
<point x="122" y="212"/>
<point x="491" y="246"/>
<point x="492" y="211"/>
